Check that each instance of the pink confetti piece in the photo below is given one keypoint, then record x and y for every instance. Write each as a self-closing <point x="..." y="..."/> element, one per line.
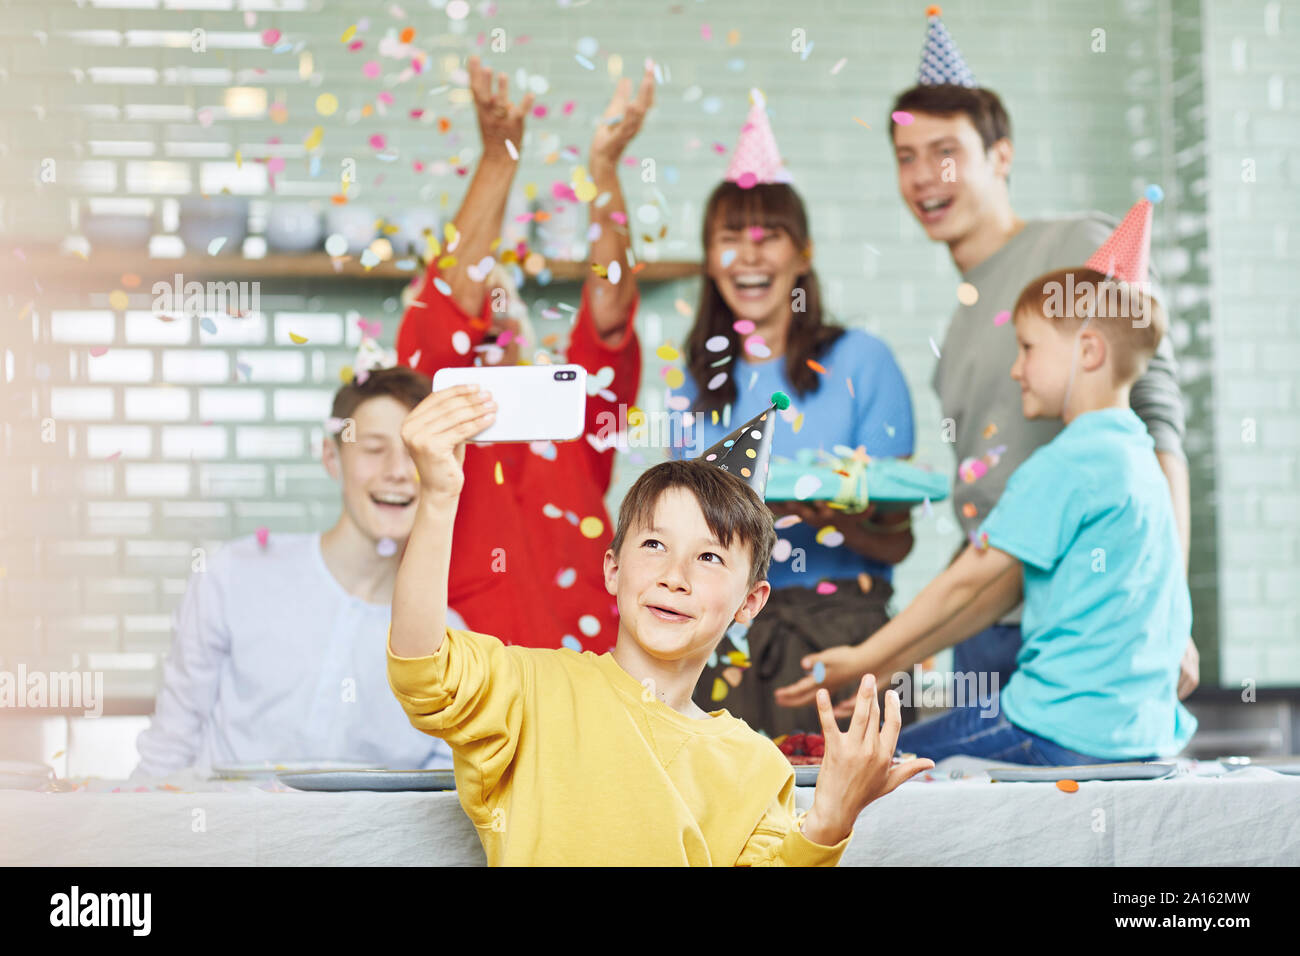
<point x="271" y="37"/>
<point x="378" y="141"/>
<point x="98" y="350"/>
<point x="902" y="117"/>
<point x="1002" y="317"/>
<point x="619" y="217"/>
<point x="826" y="587"/>
<point x="263" y="533"/>
<point x="371" y="68"/>
<point x="567" y="108"/>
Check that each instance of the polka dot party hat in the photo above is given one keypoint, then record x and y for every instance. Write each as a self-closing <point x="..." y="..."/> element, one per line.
<point x="1126" y="254"/>
<point x="747" y="452"/>
<point x="941" y="61"/>
<point x="756" y="159"/>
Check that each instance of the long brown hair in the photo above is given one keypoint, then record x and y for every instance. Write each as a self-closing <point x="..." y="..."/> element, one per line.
<point x="772" y="206"/>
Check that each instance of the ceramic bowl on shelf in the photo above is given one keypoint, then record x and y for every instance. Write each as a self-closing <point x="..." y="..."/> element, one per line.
<point x="217" y="217"/>
<point x="293" y="227"/>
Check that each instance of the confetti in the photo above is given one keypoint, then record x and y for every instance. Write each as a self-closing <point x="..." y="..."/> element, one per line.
<point x="819" y="668"/>
<point x="327" y="104"/>
<point x="806" y="485"/>
<point x="830" y="537"/>
<point x="571" y="642"/>
<point x="717" y="381"/>
<point x="990" y="430"/>
<point x="460" y="342"/>
<point x="1154" y="193"/>
<point x="934" y="348"/>
<point x="1067" y="786"/>
<point x="674" y="377"/>
<point x="838" y="66"/>
<point x="817" y="367"/>
<point x="785" y="521"/>
<point x="967" y="294"/>
<point x="733" y="675"/>
<point x="717" y="343"/>
<point x="497" y="474"/>
<point x="589" y="624"/>
<point x="591" y="527"/>
<point x="615" y="272"/>
<point x="510" y="148"/>
<point x="719" y="689"/>
<point x="207" y="325"/>
<point x="297" y="339"/>
<point x="566" y="577"/>
<point x="902" y="117"/>
<point x="1002" y="317"/>
<point x="215" y="245"/>
<point x="826" y="587"/>
<point x="262" y="534"/>
<point x="756" y="347"/>
<point x="849" y="383"/>
<point x="667" y="352"/>
<point x="386" y="548"/>
<point x="743" y="326"/>
<point x="117" y="300"/>
<point x="969" y="510"/>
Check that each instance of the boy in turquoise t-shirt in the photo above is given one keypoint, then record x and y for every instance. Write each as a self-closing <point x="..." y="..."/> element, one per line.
<point x="1085" y="530"/>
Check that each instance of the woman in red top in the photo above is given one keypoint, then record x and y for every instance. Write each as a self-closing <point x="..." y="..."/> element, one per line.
<point x="527" y="552"/>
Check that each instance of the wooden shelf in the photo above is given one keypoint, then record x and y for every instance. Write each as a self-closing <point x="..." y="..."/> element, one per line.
<point x="108" y="268"/>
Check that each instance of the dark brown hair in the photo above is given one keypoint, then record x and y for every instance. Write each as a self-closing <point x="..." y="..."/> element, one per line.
<point x="981" y="107"/>
<point x="774" y="206"/>
<point x="400" y="382"/>
<point x="731" y="508"/>
<point x="1112" y="306"/>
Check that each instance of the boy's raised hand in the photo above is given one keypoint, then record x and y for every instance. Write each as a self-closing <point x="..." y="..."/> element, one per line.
<point x="857" y="767"/>
<point x="498" y="119"/>
<point x="435" y="432"/>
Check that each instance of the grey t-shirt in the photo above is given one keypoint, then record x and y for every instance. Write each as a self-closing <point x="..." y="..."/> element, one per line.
<point x="973" y="375"/>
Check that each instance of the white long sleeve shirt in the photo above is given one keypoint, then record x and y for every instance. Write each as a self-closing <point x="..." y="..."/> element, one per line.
<point x="273" y="660"/>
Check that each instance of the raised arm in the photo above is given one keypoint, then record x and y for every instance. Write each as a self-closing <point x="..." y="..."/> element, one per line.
<point x="434" y="433"/>
<point x="610" y="301"/>
<point x="478" y="221"/>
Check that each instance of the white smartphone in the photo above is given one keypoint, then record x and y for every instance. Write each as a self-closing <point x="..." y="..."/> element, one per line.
<point x="534" y="402"/>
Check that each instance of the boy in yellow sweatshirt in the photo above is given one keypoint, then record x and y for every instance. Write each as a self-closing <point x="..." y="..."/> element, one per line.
<point x="566" y="758"/>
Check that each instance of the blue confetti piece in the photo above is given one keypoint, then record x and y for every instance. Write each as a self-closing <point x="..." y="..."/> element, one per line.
<point x="584" y="62"/>
<point x="806" y="50"/>
<point x="728" y="257"/>
<point x="314" y="169"/>
<point x="442" y="285"/>
<point x="544" y="277"/>
<point x="1155" y="193"/>
<point x="571" y="642"/>
<point x="207" y="325"/>
<point x="819" y="672"/>
<point x="670" y="175"/>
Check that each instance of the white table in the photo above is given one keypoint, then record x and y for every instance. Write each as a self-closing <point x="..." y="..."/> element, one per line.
<point x="1247" y="817"/>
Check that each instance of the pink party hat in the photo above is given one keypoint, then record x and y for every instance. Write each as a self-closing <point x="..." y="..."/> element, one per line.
<point x="756" y="158"/>
<point x="1126" y="253"/>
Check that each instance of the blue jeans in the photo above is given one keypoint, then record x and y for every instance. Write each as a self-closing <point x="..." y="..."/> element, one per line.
<point x="991" y="651"/>
<point x="963" y="731"/>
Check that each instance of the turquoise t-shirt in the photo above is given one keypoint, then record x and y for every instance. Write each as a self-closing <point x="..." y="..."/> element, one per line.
<point x="1107" y="612"/>
<point x="876" y="413"/>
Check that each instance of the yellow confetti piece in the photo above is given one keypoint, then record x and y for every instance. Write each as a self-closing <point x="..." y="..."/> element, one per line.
<point x="715" y="416"/>
<point x="239" y="159"/>
<point x="327" y="104"/>
<point x="733" y="37"/>
<point x="591" y="527"/>
<point x="446" y="262"/>
<point x="798" y="423"/>
<point x="345" y="374"/>
<point x="57" y="754"/>
<point x="497" y="473"/>
<point x="739" y="658"/>
<point x="117" y="300"/>
<point x="862" y="123"/>
<point x="719" y="688"/>
<point x="314" y="138"/>
<point x="990" y="430"/>
<point x="297" y="339"/>
<point x="635" y="417"/>
<point x="667" y="352"/>
<point x="348" y="34"/>
<point x="449" y="231"/>
<point x="585" y="191"/>
<point x="674" y="378"/>
<point x="530" y="190"/>
<point x="824" y="532"/>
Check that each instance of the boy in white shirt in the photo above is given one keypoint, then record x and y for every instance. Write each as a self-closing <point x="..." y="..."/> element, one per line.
<point x="279" y="650"/>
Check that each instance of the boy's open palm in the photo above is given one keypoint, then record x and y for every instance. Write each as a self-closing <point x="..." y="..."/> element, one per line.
<point x="858" y="766"/>
<point x="435" y="432"/>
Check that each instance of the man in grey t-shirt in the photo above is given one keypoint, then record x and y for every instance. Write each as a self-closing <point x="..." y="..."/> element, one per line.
<point x="954" y="160"/>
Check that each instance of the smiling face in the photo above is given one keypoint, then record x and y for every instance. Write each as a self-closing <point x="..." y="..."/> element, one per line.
<point x="949" y="181"/>
<point x="678" y="588"/>
<point x="380" y="490"/>
<point x="755" y="270"/>
<point x="1044" y="354"/>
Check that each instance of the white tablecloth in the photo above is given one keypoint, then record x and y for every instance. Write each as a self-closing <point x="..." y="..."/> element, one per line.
<point x="1202" y="817"/>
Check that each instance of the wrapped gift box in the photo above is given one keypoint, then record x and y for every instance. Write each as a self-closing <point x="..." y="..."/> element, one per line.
<point x="851" y="480"/>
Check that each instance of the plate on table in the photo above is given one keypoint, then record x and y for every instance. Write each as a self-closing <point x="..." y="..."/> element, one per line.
<point x="805" y="775"/>
<point x="16" y="775"/>
<point x="1287" y="765"/>
<point x="385" y="781"/>
<point x="265" y="769"/>
<point x="1131" y="770"/>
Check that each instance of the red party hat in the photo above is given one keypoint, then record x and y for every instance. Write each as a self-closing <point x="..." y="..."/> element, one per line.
<point x="1126" y="253"/>
<point x="756" y="159"/>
